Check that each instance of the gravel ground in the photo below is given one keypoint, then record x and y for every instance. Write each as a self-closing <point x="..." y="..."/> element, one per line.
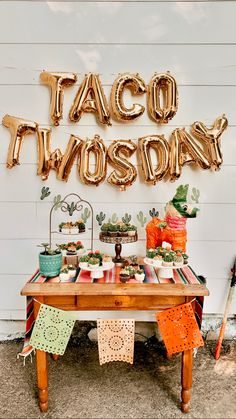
<point x="150" y="388"/>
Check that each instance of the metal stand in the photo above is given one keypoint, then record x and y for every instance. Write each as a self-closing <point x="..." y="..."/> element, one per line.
<point x="71" y="206"/>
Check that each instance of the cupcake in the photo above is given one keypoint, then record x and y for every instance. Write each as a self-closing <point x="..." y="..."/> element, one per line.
<point x="83" y="262"/>
<point x="168" y="259"/>
<point x="93" y="262"/>
<point x="72" y="271"/>
<point x="124" y="275"/>
<point x="140" y="275"/>
<point x="178" y="259"/>
<point x="64" y="275"/>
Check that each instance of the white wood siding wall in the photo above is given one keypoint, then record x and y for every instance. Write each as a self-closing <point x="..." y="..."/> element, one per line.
<point x="196" y="41"/>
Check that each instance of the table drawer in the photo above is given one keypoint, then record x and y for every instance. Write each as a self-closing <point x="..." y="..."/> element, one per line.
<point x="67" y="302"/>
<point x="120" y="302"/>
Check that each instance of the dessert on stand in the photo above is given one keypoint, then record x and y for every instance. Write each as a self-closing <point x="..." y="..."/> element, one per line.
<point x="96" y="263"/>
<point x="118" y="234"/>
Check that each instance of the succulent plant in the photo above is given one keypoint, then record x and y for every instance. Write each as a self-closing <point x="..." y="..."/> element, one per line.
<point x="168" y="257"/>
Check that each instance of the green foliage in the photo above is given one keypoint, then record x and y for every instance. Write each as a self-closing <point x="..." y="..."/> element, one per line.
<point x="48" y="250"/>
<point x="163" y="224"/>
<point x="153" y="213"/>
<point x="100" y="218"/>
<point x="85" y="215"/>
<point x="127" y="218"/>
<point x="57" y="202"/>
<point x="168" y="257"/>
<point x="45" y="192"/>
<point x="141" y="218"/>
<point x="195" y="195"/>
<point x="105" y="227"/>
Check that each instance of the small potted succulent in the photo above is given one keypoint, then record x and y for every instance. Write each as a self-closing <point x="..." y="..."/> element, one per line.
<point x="151" y="253"/>
<point x="134" y="262"/>
<point x="97" y="255"/>
<point x="84" y="262"/>
<point x="123" y="230"/>
<point x="50" y="260"/>
<point x="93" y="262"/>
<point x="131" y="271"/>
<point x="124" y="275"/>
<point x="178" y="259"/>
<point x="132" y="230"/>
<point x="64" y="275"/>
<point x="168" y="259"/>
<point x="113" y="230"/>
<point x="139" y="275"/>
<point x="185" y="258"/>
<point x="79" y="248"/>
<point x="66" y="228"/>
<point x="105" y="228"/>
<point x="72" y="271"/>
<point x="161" y="251"/>
<point x="157" y="261"/>
<point x="106" y="261"/>
<point x="81" y="225"/>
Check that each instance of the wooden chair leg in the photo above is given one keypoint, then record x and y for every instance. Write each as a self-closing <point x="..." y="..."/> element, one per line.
<point x="186" y="379"/>
<point x="42" y="379"/>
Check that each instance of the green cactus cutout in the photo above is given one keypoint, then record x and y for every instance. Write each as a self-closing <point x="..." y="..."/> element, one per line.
<point x="153" y="213"/>
<point x="71" y="208"/>
<point x="195" y="195"/>
<point x="141" y="218"/>
<point x="85" y="215"/>
<point x="45" y="192"/>
<point x="114" y="218"/>
<point x="57" y="202"/>
<point x="100" y="218"/>
<point x="127" y="218"/>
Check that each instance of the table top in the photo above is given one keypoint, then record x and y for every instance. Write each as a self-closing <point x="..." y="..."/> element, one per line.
<point x="114" y="289"/>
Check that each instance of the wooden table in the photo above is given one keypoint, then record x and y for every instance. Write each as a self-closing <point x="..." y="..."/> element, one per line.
<point x="79" y="296"/>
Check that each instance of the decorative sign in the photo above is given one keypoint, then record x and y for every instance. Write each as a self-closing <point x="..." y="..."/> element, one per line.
<point x="200" y="147"/>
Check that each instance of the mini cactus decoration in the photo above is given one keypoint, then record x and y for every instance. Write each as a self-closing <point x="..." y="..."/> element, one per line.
<point x="153" y="213"/>
<point x="45" y="192"/>
<point x="57" y="202"/>
<point x="113" y="219"/>
<point x="141" y="218"/>
<point x="71" y="208"/>
<point x="195" y="195"/>
<point x="127" y="218"/>
<point x="100" y="218"/>
<point x="85" y="215"/>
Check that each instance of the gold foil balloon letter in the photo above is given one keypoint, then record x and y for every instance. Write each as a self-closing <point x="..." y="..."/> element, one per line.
<point x="118" y="152"/>
<point x="183" y="150"/>
<point x="18" y="128"/>
<point x="166" y="85"/>
<point x="137" y="86"/>
<point x="67" y="161"/>
<point x="91" y="98"/>
<point x="57" y="83"/>
<point x="211" y="136"/>
<point x="97" y="147"/>
<point x="159" y="144"/>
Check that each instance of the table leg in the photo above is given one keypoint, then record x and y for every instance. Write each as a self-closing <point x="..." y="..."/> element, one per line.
<point x="186" y="379"/>
<point x="42" y="379"/>
<point x="41" y="369"/>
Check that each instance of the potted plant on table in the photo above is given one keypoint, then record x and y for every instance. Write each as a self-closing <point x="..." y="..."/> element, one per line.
<point x="139" y="275"/>
<point x="64" y="275"/>
<point x="84" y="262"/>
<point x="132" y="230"/>
<point x="168" y="259"/>
<point x="50" y="260"/>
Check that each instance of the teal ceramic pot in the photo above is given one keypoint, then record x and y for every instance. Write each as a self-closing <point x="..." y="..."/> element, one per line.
<point x="50" y="265"/>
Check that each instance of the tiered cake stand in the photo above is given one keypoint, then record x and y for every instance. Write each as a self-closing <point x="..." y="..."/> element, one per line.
<point x="118" y="241"/>
<point x="164" y="271"/>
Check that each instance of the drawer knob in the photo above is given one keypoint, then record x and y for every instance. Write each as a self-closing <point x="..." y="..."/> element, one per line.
<point x="118" y="303"/>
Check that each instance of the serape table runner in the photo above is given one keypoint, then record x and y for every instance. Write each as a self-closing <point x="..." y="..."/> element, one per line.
<point x="185" y="275"/>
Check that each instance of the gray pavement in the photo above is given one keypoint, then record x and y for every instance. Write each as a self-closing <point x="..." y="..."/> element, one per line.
<point x="150" y="388"/>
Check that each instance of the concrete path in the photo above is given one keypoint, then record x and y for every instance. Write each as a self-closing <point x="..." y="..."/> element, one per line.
<point x="80" y="388"/>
